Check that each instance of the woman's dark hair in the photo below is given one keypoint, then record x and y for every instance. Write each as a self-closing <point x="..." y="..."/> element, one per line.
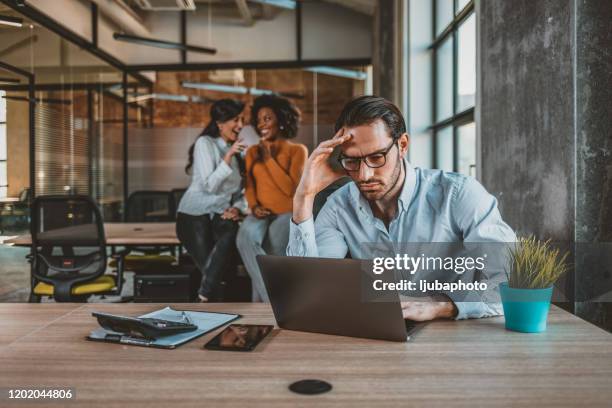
<point x="220" y="111"/>
<point x="287" y="114"/>
<point x="365" y="110"/>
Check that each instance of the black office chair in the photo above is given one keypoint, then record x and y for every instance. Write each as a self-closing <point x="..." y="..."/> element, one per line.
<point x="15" y="216"/>
<point x="150" y="206"/>
<point x="68" y="258"/>
<point x="321" y="197"/>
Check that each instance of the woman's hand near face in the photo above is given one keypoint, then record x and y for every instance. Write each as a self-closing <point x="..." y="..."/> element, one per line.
<point x="237" y="147"/>
<point x="232" y="213"/>
<point x="261" y="212"/>
<point x="265" y="150"/>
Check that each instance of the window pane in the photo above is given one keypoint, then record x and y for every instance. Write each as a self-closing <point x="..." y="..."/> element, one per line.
<point x="466" y="135"/>
<point x="3" y="181"/>
<point x="444" y="149"/>
<point x="444" y="14"/>
<point x="466" y="64"/>
<point x="444" y="72"/>
<point x="461" y="5"/>
<point x="421" y="150"/>
<point x="3" y="192"/>
<point x="2" y="107"/>
<point x="2" y="142"/>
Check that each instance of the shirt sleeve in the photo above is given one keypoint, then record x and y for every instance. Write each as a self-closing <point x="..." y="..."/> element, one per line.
<point x="212" y="173"/>
<point x="317" y="239"/>
<point x="476" y="214"/>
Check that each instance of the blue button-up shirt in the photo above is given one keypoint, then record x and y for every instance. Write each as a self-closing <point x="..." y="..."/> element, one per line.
<point x="434" y="206"/>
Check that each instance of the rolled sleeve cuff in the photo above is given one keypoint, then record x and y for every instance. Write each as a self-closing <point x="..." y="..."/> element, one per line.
<point x="468" y="310"/>
<point x="224" y="169"/>
<point x="475" y="310"/>
<point x="301" y="238"/>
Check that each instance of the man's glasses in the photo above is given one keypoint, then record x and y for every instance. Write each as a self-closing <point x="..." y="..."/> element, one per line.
<point x="373" y="161"/>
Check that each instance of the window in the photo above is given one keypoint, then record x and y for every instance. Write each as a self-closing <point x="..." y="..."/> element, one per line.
<point x="454" y="85"/>
<point x="3" y="176"/>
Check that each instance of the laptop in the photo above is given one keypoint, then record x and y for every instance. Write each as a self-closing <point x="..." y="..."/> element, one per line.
<point x="324" y="295"/>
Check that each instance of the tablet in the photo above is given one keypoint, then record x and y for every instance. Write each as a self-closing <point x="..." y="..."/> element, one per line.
<point x="239" y="337"/>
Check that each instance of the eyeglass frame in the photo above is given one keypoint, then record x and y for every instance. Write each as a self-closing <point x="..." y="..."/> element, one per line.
<point x="363" y="158"/>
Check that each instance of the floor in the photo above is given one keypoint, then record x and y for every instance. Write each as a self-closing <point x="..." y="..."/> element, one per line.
<point x="15" y="278"/>
<point x="14" y="274"/>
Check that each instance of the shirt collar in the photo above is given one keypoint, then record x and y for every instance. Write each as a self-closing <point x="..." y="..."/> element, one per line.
<point x="406" y="194"/>
<point x="409" y="186"/>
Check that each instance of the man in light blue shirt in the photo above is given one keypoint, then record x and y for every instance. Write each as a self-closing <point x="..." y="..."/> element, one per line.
<point x="390" y="201"/>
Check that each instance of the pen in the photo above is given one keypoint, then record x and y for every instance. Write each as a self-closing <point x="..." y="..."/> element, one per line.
<point x="186" y="317"/>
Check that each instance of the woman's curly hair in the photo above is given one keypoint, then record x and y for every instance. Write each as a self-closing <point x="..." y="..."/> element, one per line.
<point x="287" y="114"/>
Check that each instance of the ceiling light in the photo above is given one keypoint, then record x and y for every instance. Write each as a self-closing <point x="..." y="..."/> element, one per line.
<point x="286" y="4"/>
<point x="160" y="96"/>
<point x="12" y="21"/>
<point x="169" y="97"/>
<point x="339" y="72"/>
<point x="166" y="5"/>
<point x="243" y="90"/>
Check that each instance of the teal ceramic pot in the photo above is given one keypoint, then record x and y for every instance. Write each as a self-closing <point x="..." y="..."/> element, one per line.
<point x="525" y="310"/>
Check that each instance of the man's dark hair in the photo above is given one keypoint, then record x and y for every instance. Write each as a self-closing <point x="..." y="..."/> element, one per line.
<point x="367" y="109"/>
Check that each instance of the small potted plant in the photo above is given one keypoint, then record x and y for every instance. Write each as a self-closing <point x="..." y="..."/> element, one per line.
<point x="533" y="268"/>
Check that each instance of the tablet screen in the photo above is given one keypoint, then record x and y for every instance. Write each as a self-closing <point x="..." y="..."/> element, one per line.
<point x="239" y="337"/>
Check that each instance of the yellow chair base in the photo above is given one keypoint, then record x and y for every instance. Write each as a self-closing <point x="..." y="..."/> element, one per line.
<point x="104" y="283"/>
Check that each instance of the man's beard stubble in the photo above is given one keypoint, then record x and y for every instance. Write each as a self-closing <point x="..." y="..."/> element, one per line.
<point x="379" y="195"/>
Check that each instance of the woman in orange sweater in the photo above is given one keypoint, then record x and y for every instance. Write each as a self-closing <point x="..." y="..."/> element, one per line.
<point x="273" y="171"/>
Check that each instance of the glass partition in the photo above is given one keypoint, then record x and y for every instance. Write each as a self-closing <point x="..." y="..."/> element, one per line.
<point x="181" y="103"/>
<point x="78" y="142"/>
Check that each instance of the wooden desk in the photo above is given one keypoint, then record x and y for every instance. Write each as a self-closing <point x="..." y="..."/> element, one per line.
<point x="126" y="234"/>
<point x="466" y="363"/>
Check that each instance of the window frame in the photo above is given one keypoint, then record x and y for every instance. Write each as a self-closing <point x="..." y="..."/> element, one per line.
<point x="457" y="119"/>
<point x="4" y="183"/>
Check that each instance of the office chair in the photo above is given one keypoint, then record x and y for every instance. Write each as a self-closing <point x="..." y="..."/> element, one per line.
<point x="321" y="197"/>
<point x="68" y="258"/>
<point x="15" y="216"/>
<point x="150" y="206"/>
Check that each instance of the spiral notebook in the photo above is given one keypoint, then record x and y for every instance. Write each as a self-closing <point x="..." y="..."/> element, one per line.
<point x="206" y="322"/>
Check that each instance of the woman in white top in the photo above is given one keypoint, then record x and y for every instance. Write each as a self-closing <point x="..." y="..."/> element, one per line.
<point x="208" y="214"/>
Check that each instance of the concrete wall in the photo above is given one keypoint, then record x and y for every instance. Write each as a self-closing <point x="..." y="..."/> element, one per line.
<point x="546" y="115"/>
<point x="266" y="40"/>
<point x="594" y="151"/>
<point x="527" y="113"/>
<point x="384" y="58"/>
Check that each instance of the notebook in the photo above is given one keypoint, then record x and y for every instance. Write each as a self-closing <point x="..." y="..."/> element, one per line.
<point x="206" y="322"/>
